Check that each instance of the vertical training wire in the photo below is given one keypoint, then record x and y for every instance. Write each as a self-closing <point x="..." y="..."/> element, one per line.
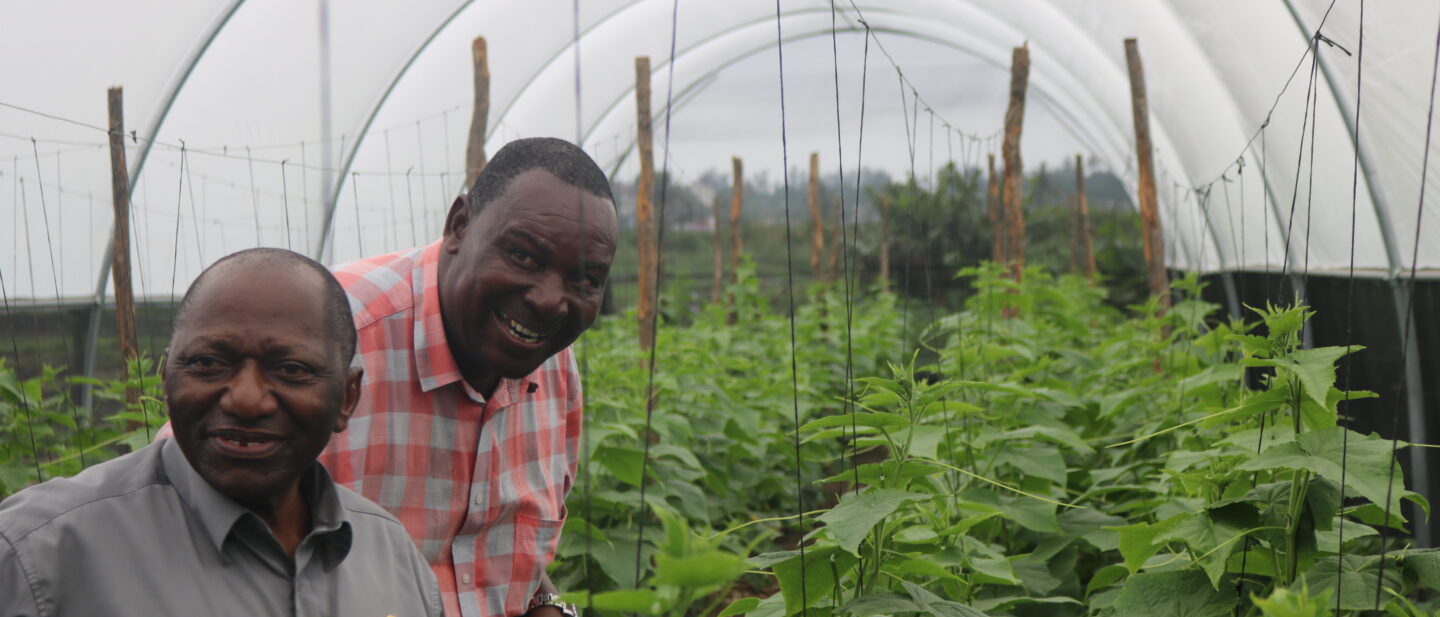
<point x="194" y="219"/>
<point x="1350" y="307"/>
<point x="1299" y="161"/>
<point x="54" y="280"/>
<point x="285" y="201"/>
<point x="305" y="193"/>
<point x="1409" y="310"/>
<point x="584" y="364"/>
<point x="790" y="293"/>
<point x="852" y="277"/>
<point x="844" y="248"/>
<point x="654" y="324"/>
<point x="254" y="198"/>
<point x="24" y="397"/>
<point x="355" y="197"/>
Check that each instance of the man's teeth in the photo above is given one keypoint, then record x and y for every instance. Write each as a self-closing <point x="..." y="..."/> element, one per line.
<point x="243" y="443"/>
<point x="523" y="332"/>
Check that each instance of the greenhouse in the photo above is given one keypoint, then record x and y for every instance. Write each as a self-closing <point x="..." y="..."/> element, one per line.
<point x="946" y="307"/>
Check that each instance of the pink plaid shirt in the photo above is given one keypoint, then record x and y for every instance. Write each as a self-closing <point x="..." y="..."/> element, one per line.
<point x="479" y="484"/>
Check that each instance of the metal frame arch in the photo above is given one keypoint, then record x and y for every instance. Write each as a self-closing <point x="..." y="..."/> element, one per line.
<point x="157" y="120"/>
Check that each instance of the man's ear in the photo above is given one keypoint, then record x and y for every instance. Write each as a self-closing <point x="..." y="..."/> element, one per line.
<point x="352" y="398"/>
<point x="456" y="223"/>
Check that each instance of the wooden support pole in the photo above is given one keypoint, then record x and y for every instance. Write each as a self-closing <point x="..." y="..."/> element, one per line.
<point x="997" y="216"/>
<point x="817" y="217"/>
<point x="475" y="151"/>
<point x="718" y="241"/>
<point x="1149" y="213"/>
<point x="837" y="240"/>
<point x="644" y="207"/>
<point x="737" y="203"/>
<point x="1086" y="257"/>
<point x="1010" y="150"/>
<point x="120" y="259"/>
<point x="885" y="244"/>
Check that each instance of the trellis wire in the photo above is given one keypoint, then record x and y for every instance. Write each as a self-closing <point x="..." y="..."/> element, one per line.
<point x="654" y="324"/>
<point x="1409" y="310"/>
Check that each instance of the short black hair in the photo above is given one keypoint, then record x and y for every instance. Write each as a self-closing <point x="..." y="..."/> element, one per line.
<point x="339" y="323"/>
<point x="563" y="159"/>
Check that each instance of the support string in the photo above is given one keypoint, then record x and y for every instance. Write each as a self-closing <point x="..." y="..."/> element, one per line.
<point x="654" y="324"/>
<point x="1350" y="310"/>
<point x="54" y="280"/>
<point x="1409" y="312"/>
<point x="790" y="293"/>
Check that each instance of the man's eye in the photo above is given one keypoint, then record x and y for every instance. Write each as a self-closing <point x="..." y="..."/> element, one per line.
<point x="593" y="282"/>
<point x="203" y="362"/>
<point x="523" y="258"/>
<point x="293" y="369"/>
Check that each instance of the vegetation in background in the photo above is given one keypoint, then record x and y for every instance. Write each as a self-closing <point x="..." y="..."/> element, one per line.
<point x="1069" y="461"/>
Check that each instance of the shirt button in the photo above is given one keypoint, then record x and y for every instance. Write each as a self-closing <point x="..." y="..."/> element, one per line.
<point x="465" y="578"/>
<point x="479" y="500"/>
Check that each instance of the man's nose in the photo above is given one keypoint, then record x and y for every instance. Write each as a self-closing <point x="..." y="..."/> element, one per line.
<point x="547" y="297"/>
<point x="249" y="394"/>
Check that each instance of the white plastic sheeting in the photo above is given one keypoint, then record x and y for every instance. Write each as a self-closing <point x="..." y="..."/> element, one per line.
<point x="238" y="83"/>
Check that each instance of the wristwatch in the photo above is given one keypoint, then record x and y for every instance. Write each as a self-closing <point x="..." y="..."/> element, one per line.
<point x="553" y="599"/>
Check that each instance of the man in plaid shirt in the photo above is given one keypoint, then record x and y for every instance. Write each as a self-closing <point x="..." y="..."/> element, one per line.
<point x="468" y="427"/>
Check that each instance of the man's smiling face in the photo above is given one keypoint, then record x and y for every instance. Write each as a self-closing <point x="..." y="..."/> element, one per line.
<point x="255" y="383"/>
<point x="520" y="281"/>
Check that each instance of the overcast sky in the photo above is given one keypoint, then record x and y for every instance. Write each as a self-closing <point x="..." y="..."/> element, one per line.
<point x="739" y="112"/>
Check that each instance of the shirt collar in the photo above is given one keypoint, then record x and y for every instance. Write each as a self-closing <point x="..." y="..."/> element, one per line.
<point x="218" y="514"/>
<point x="434" y="364"/>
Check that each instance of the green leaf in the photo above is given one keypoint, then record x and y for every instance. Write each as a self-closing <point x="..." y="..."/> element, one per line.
<point x="1315" y="368"/>
<point x="881" y="603"/>
<point x="936" y="606"/>
<point x="1106" y="576"/>
<point x="1028" y="513"/>
<point x="1367" y="456"/>
<point x="1286" y="603"/>
<point x="1426" y="566"/>
<point x="702" y="570"/>
<point x="624" y="463"/>
<point x="740" y="607"/>
<point x="859" y="418"/>
<point x="857" y="513"/>
<point x="1175" y="593"/>
<point x="641" y="601"/>
<point x="1212" y="536"/>
<point x="1137" y="541"/>
<point x="808" y="585"/>
<point x="1351" y="577"/>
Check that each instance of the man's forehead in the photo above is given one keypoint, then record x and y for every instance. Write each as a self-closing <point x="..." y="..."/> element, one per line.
<point x="257" y="286"/>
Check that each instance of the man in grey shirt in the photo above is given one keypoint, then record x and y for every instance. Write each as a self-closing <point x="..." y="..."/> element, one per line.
<point x="233" y="516"/>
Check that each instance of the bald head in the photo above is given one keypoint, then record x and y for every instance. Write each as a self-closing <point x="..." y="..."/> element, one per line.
<point x="339" y="325"/>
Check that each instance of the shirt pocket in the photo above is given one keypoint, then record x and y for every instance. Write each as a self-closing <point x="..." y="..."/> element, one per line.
<point x="534" y="546"/>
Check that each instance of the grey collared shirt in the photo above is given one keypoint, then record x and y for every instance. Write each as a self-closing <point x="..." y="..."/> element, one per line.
<point x="144" y="534"/>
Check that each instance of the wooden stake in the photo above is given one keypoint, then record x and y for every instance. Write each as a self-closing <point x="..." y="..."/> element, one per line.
<point x="997" y="216"/>
<point x="644" y="208"/>
<point x="817" y="218"/>
<point x="837" y="241"/>
<point x="1082" y="206"/>
<point x="475" y="151"/>
<point x="120" y="259"/>
<point x="885" y="244"/>
<point x="1149" y="213"/>
<point x="1010" y="149"/>
<point x="718" y="241"/>
<point x="737" y="204"/>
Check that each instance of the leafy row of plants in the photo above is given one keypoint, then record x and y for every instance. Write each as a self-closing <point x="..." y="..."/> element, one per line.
<point x="1038" y="453"/>
<point x="46" y="433"/>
